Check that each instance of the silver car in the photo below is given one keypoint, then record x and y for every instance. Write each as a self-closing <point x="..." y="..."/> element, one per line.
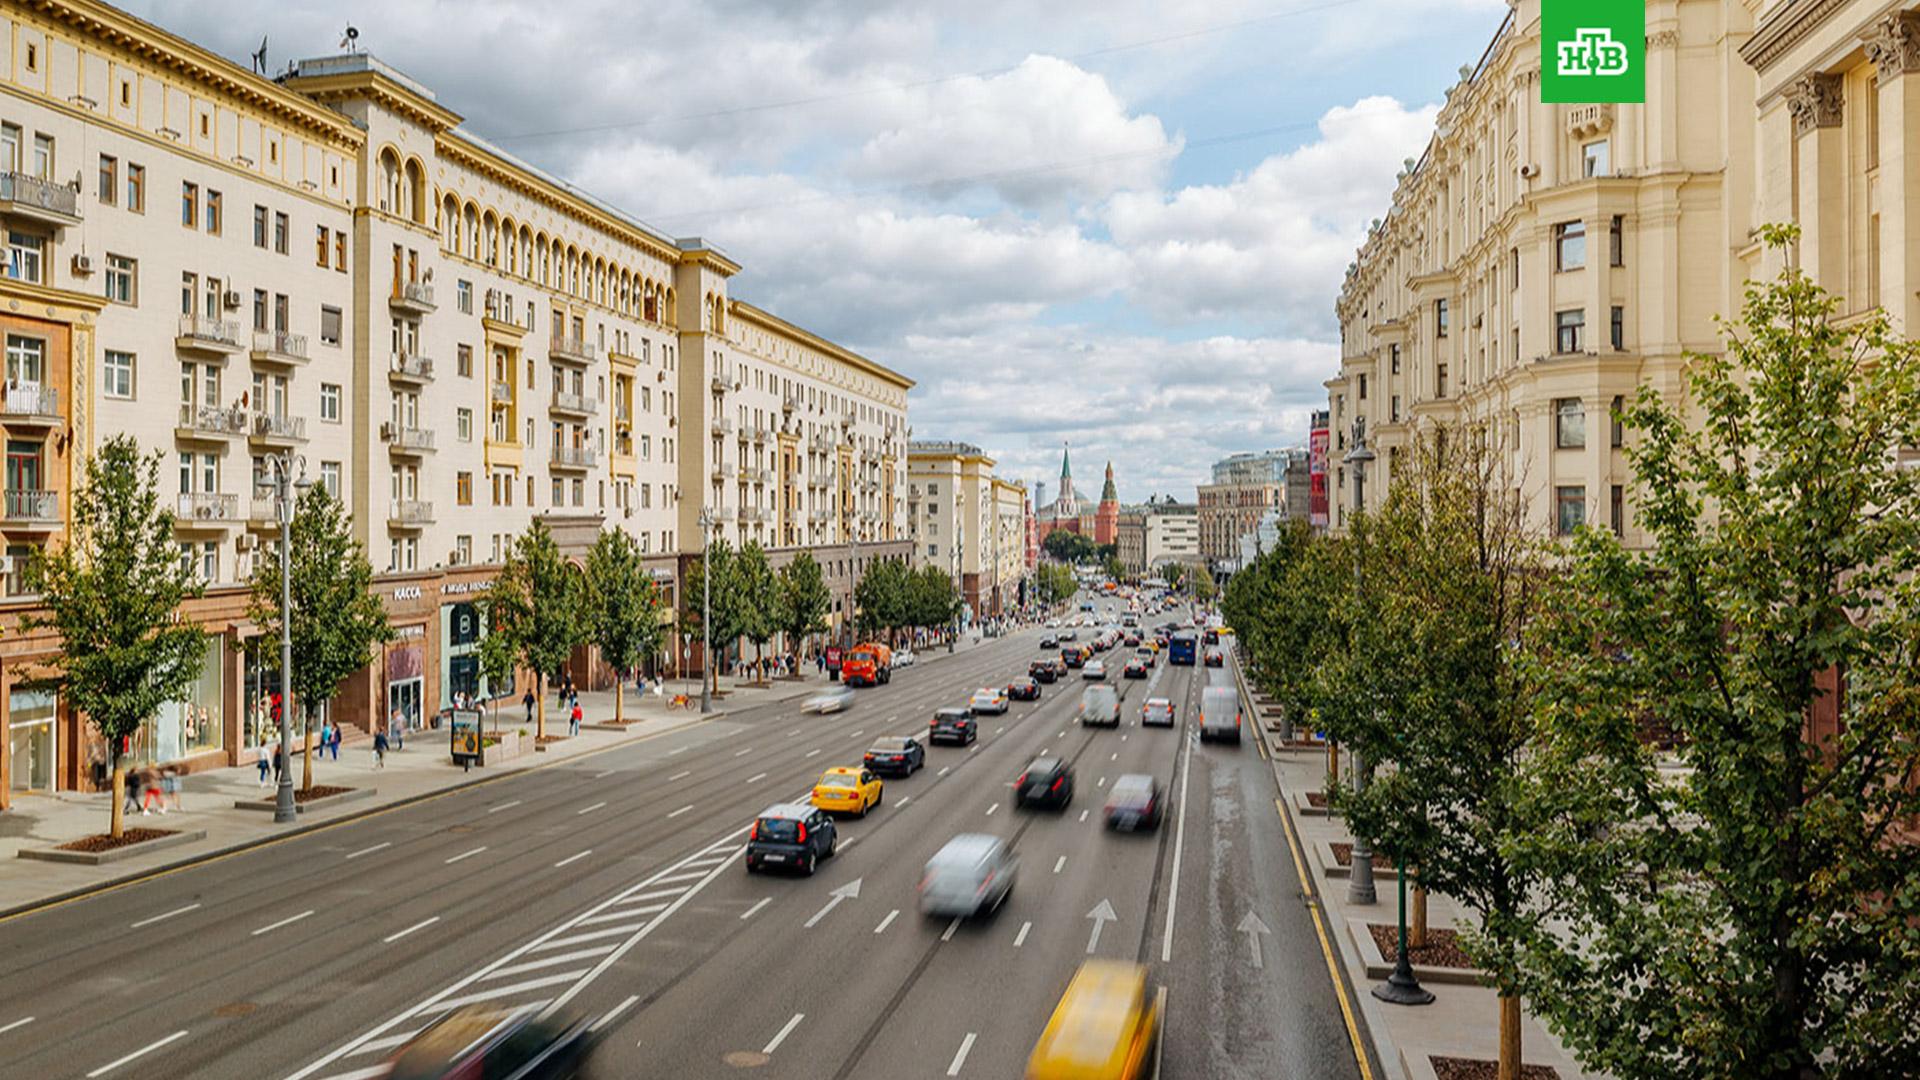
<point x="828" y="701"/>
<point x="972" y="874"/>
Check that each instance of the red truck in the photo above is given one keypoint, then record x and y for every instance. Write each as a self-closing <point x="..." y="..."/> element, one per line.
<point x="869" y="664"/>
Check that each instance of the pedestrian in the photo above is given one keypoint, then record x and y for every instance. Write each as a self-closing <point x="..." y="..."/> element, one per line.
<point x="150" y="793"/>
<point x="279" y="764"/>
<point x="528" y="702"/>
<point x="573" y="718"/>
<point x="820" y="663"/>
<point x="326" y="736"/>
<point x="333" y="742"/>
<point x="264" y="764"/>
<point x="379" y="749"/>
<point x="171" y="783"/>
<point x="132" y="792"/>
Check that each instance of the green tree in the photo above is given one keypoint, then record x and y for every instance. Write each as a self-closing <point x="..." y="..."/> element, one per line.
<point x="1203" y="587"/>
<point x="1756" y="912"/>
<point x="537" y="606"/>
<point x="1279" y="605"/>
<point x="882" y="597"/>
<point x="623" y="606"/>
<point x="338" y="620"/>
<point x="759" y="600"/>
<point x="729" y="614"/>
<point x="1054" y="583"/>
<point x="113" y="593"/>
<point x="1174" y="574"/>
<point x="1113" y="568"/>
<point x="1068" y="547"/>
<point x="804" y="600"/>
<point x="933" y="600"/>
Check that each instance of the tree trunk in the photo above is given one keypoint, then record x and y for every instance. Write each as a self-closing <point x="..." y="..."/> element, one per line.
<point x="1417" y="925"/>
<point x="1333" y="766"/>
<point x="1509" y="1037"/>
<point x="539" y="707"/>
<point x="118" y="827"/>
<point x="306" y="752"/>
<point x="619" y="698"/>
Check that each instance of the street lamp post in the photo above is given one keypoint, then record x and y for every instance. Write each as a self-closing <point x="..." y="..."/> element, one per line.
<point x="1403" y="987"/>
<point x="1360" y="889"/>
<point x="706" y="612"/>
<point x="284" y="483"/>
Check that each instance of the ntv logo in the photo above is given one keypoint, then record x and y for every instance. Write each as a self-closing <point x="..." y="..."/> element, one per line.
<point x="1592" y="52"/>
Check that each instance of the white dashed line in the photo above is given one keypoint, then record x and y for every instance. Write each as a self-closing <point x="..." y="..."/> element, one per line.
<point x="814" y="752"/>
<point x="743" y="751"/>
<point x="391" y="938"/>
<point x="756" y="778"/>
<point x="1102" y="783"/>
<point x="1060" y="864"/>
<point x="992" y="808"/>
<point x="904" y="800"/>
<point x="888" y="921"/>
<point x="22" y="1022"/>
<point x="960" y="1056"/>
<point x="371" y="850"/>
<point x="589" y="809"/>
<point x="755" y="909"/>
<point x="951" y="927"/>
<point x="147" y="1049"/>
<point x="613" y="1012"/>
<point x="467" y="854"/>
<point x="1115" y="757"/>
<point x="784" y="1032"/>
<point x="857" y="734"/>
<point x="283" y="922"/>
<point x="503" y="806"/>
<point x="1083" y="815"/>
<point x="159" y="918"/>
<point x="944" y="770"/>
<point x="1020" y="938"/>
<point x="576" y="857"/>
<point x="678" y="750"/>
<point x="681" y="775"/>
<point x="680" y="811"/>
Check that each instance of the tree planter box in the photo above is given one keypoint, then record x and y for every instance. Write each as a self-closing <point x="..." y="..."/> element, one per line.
<point x="100" y="858"/>
<point x="1303" y="805"/>
<point x="1419" y="1064"/>
<point x="321" y="803"/>
<point x="1380" y="966"/>
<point x="609" y="725"/>
<point x="1331" y="865"/>
<point x="511" y="745"/>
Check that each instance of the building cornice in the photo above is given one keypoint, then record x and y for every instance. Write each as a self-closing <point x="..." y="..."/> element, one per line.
<point x="774" y="324"/>
<point x="453" y="148"/>
<point x="383" y="91"/>
<point x="1785" y="28"/>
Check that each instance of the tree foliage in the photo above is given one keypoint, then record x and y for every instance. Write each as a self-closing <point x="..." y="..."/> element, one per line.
<point x="804" y="599"/>
<point x="1064" y="545"/>
<point x="729" y="605"/>
<point x="883" y="597"/>
<point x="1280" y="605"/>
<point x="622" y="606"/>
<point x="933" y="598"/>
<point x="1054" y="582"/>
<point x="759" y="596"/>
<point x="538" y="606"/>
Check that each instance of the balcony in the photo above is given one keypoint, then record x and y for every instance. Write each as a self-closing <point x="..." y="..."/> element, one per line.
<point x="277" y="429"/>
<point x="721" y="385"/>
<point x="205" y="423"/>
<point x="277" y="348"/>
<point x="758" y="514"/>
<point x="411" y="298"/>
<point x="409" y="513"/>
<point x="756" y="435"/>
<point x="572" y="458"/>
<point x="759" y="476"/>
<point x="263" y="513"/>
<point x="722" y="425"/>
<point x="28" y="508"/>
<point x="197" y="509"/>
<point x="405" y="370"/>
<point x="30" y="404"/>
<point x="622" y="413"/>
<point x="571" y="350"/>
<point x="206" y="334"/>
<point x="722" y="471"/>
<point x="502" y="393"/>
<point x="406" y="441"/>
<point x="44" y="201"/>
<point x="721" y="513"/>
<point x="567" y="403"/>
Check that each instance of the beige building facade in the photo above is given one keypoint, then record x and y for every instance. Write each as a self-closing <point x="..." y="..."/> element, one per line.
<point x="967" y="521"/>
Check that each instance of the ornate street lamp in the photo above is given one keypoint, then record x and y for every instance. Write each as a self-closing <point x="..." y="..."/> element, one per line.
<point x="1360" y="888"/>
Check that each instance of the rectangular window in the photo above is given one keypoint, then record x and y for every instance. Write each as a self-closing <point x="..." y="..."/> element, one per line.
<point x="214" y="219"/>
<point x="463" y="296"/>
<point x="463" y="424"/>
<point x="320" y="239"/>
<point x="1617" y="510"/>
<point x="1515" y="272"/>
<point x="330" y="402"/>
<point x="1440" y="380"/>
<point x="1393" y="359"/>
<point x="463" y="545"/>
<point x="1617" y="240"/>
<point x="1616" y="433"/>
<point x="463" y="489"/>
<point x="116" y="374"/>
<point x="1393" y="408"/>
<point x="122" y="275"/>
<point x="1440" y="318"/>
<point x="189" y="204"/>
<point x="43" y="157"/>
<point x="1569" y="424"/>
<point x="24" y="256"/>
<point x="463" y="361"/>
<point x="10" y="136"/>
<point x="1363" y="386"/>
<point x="1593" y="159"/>
<point x="108" y="190"/>
<point x="330" y="477"/>
<point x="329" y="325"/>
<point x="1569" y="330"/>
<point x="260" y="309"/>
<point x="1570" y="509"/>
<point x="1570" y="245"/>
<point x="1617" y="327"/>
<point x="281" y="230"/>
<point x="259" y="226"/>
<point x="136" y="188"/>
<point x="339" y="251"/>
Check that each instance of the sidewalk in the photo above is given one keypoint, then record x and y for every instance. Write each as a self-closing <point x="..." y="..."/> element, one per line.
<point x="420" y="771"/>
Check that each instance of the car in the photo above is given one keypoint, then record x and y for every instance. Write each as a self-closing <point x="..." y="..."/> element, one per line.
<point x="1053" y="624"/>
<point x="791" y="835"/>
<point x="952" y="725"/>
<point x="903" y="658"/>
<point x="1070" y="635"/>
<point x="1060" y="668"/>
<point x="1107" y="1024"/>
<point x="1099" y="706"/>
<point x="845" y="789"/>
<point x="1215" y="658"/>
<point x="972" y="873"/>
<point x="988" y="699"/>
<point x="1157" y="712"/>
<point x="479" y="1040"/>
<point x="1220" y="714"/>
<point x="1133" y="802"/>
<point x="1042" y="671"/>
<point x="1093" y="670"/>
<point x="1049" y="641"/>
<point x="1047" y="781"/>
<point x="831" y="700"/>
<point x="1212" y="636"/>
<point x="1073" y="658"/>
<point x="1132" y="640"/>
<point x="1147" y="653"/>
<point x="1136" y="669"/>
<point x="896" y="754"/>
<point x="1023" y="690"/>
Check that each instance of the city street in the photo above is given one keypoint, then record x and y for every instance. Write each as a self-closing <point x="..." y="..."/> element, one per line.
<point x="612" y="889"/>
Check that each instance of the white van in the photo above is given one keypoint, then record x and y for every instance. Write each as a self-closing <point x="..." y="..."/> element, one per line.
<point x="1220" y="714"/>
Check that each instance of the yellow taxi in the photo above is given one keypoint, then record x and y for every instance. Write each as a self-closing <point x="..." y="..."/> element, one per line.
<point x="1107" y="1027"/>
<point x="847" y="789"/>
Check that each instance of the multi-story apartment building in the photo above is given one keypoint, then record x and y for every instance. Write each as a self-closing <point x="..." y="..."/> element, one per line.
<point x="1541" y="262"/>
<point x="1005" y="589"/>
<point x="328" y="267"/>
<point x="968" y="522"/>
<point x="1130" y="538"/>
<point x="1172" y="534"/>
<point x="1245" y="486"/>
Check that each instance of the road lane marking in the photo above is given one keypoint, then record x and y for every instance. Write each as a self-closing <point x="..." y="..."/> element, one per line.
<point x="784" y="1032"/>
<point x="1020" y="938"/>
<point x="857" y="734"/>
<point x="576" y="857"/>
<point x="589" y="809"/>
<point x="1115" y="757"/>
<point x="992" y="808"/>
<point x="881" y="929"/>
<point x="680" y="811"/>
<point x="22" y="1022"/>
<point x="743" y="751"/>
<point x="1179" y="845"/>
<point x="422" y="925"/>
<point x="1340" y="988"/>
<point x="591" y="935"/>
<point x="143" y="1051"/>
<point x="673" y="878"/>
<point x="849" y="891"/>
<point x="904" y="800"/>
<point x="755" y="909"/>
<point x="604" y="774"/>
<point x="1062" y="735"/>
<point x="998" y="730"/>
<point x="944" y="770"/>
<point x="794" y="732"/>
<point x="657" y="894"/>
<point x="281" y="923"/>
<point x="813" y="752"/>
<point x="1060" y="864"/>
<point x="158" y="918"/>
<point x="960" y="1057"/>
<point x="679" y="750"/>
<point x="371" y="850"/>
<point x="616" y="916"/>
<point x="451" y="1004"/>
<point x="552" y="961"/>
<point x="466" y="854"/>
<point x="951" y="927"/>
<point x="1083" y="814"/>
<point x="504" y="806"/>
<point x="682" y="775"/>
<point x="756" y="778"/>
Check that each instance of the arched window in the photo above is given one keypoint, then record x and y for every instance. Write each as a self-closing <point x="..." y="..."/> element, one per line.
<point x="490" y="241"/>
<point x="390" y="182"/>
<point x="416" y="192"/>
<point x="450" y="224"/>
<point x="471" y="221"/>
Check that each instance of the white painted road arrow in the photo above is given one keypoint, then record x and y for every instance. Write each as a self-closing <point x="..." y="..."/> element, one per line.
<point x="845" y="892"/>
<point x="1253" y="928"/>
<point x="1101" y="916"/>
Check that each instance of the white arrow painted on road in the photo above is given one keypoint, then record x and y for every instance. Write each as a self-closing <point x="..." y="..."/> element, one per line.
<point x="1253" y="928"/>
<point x="1101" y="916"/>
<point x="845" y="892"/>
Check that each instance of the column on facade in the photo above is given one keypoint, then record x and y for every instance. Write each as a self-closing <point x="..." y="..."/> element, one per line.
<point x="1816" y="104"/>
<point x="1894" y="46"/>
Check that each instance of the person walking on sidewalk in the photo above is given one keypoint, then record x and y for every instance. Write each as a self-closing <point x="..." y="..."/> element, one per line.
<point x="264" y="764"/>
<point x="573" y="718"/>
<point x="379" y="749"/>
<point x="528" y="702"/>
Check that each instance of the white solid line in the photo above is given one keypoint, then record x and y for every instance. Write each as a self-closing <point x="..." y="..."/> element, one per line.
<point x="391" y="938"/>
<point x="657" y="894"/>
<point x="784" y="1032"/>
<point x="451" y="1004"/>
<point x="944" y="770"/>
<point x="812" y="752"/>
<point x="756" y="778"/>
<point x="148" y="1049"/>
<point x="755" y="909"/>
<point x="1083" y="814"/>
<point x="680" y="750"/>
<point x="371" y="850"/>
<point x="467" y="854"/>
<point x="282" y="922"/>
<point x="1060" y="864"/>
<point x="743" y="751"/>
<point x="157" y="918"/>
<point x="613" y="1012"/>
<point x="682" y="775"/>
<point x="591" y="935"/>
<point x="1020" y="938"/>
<point x="951" y="927"/>
<point x="1179" y="844"/>
<point x="960" y="1058"/>
<point x="886" y="922"/>
<point x="588" y="809"/>
<point x="22" y="1022"/>
<point x="576" y="857"/>
<point x="680" y="811"/>
<point x="503" y="806"/>
<point x="992" y="808"/>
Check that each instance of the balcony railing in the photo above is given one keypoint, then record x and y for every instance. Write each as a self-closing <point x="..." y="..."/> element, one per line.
<point x="413" y="296"/>
<point x="26" y="505"/>
<point x="502" y="393"/>
<point x="279" y="426"/>
<point x="622" y="414"/>
<point x="409" y="512"/>
<point x="568" y="401"/>
<point x="204" y="332"/>
<point x="43" y="200"/>
<point x="212" y="419"/>
<point x="409" y="439"/>
<point x="30" y="402"/>
<point x="264" y="511"/>
<point x="722" y="425"/>
<point x="279" y="346"/>
<point x="566" y="347"/>
<point x="407" y="368"/>
<point x="572" y="457"/>
<point x="206" y="506"/>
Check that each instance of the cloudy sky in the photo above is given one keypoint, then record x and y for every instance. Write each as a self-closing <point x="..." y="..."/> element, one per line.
<point x="1120" y="223"/>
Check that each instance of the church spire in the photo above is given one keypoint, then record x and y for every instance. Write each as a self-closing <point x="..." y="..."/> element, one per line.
<point x="1066" y="466"/>
<point x="1107" y="493"/>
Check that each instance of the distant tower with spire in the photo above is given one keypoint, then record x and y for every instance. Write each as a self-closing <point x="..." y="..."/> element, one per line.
<point x="1106" y="518"/>
<point x="1064" y="504"/>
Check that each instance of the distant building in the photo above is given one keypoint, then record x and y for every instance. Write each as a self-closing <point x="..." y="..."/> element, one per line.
<point x="968" y="522"/>
<point x="1245" y="487"/>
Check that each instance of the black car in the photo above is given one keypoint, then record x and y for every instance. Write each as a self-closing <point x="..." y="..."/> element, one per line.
<point x="953" y="725"/>
<point x="1023" y="690"/>
<point x="478" y="1040"/>
<point x="1042" y="671"/>
<point x="1136" y="669"/>
<point x="1049" y="642"/>
<point x="1073" y="657"/>
<point x="1212" y="636"/>
<point x="1134" y="803"/>
<point x="1215" y="658"/>
<point x="1046" y="782"/>
<point x="896" y="755"/>
<point x="791" y="835"/>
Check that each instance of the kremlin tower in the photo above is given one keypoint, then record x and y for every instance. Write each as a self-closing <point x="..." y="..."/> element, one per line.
<point x="1106" y="518"/>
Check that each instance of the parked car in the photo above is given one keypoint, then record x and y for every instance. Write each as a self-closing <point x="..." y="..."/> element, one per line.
<point x="1048" y="781"/>
<point x="1133" y="802"/>
<point x="1157" y="712"/>
<point x="1042" y="671"/>
<point x="791" y="835"/>
<point x="1099" y="707"/>
<point x="970" y="874"/>
<point x="988" y="699"/>
<point x="1023" y="690"/>
<point x="1094" y="670"/>
<point x="831" y="700"/>
<point x="952" y="725"/>
<point x="899" y="754"/>
<point x="478" y="1040"/>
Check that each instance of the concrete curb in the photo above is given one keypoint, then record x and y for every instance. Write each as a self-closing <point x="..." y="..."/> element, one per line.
<point x="353" y="795"/>
<point x="101" y="858"/>
<point x="1332" y="867"/>
<point x="1379" y="967"/>
<point x="1298" y="800"/>
<point x="1418" y="1063"/>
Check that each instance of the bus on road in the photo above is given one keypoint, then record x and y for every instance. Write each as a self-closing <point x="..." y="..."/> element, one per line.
<point x="1182" y="648"/>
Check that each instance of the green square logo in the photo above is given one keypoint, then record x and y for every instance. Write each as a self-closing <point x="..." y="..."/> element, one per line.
<point x="1593" y="51"/>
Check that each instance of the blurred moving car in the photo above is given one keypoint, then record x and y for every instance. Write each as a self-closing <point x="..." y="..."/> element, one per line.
<point x="1133" y="802"/>
<point x="831" y="700"/>
<point x="1220" y="714"/>
<point x="896" y="754"/>
<point x="1157" y="712"/>
<point x="988" y="699"/>
<point x="952" y="724"/>
<point x="1047" y="781"/>
<point x="845" y="789"/>
<point x="791" y="835"/>
<point x="476" y="1041"/>
<point x="903" y="658"/>
<point x="1107" y="1026"/>
<point x="1093" y="669"/>
<point x="1048" y="641"/>
<point x="972" y="873"/>
<point x="1024" y="690"/>
<point x="1099" y="707"/>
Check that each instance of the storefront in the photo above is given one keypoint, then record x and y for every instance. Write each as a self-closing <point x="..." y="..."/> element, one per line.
<point x="196" y="723"/>
<point x="462" y="627"/>
<point x="33" y="739"/>
<point x="406" y="682"/>
<point x="260" y="677"/>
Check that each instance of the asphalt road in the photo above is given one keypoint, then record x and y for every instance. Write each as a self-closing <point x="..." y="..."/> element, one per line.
<point x="611" y="887"/>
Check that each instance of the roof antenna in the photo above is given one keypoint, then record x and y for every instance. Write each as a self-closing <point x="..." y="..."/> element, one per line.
<point x="351" y="42"/>
<point x="260" y="57"/>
